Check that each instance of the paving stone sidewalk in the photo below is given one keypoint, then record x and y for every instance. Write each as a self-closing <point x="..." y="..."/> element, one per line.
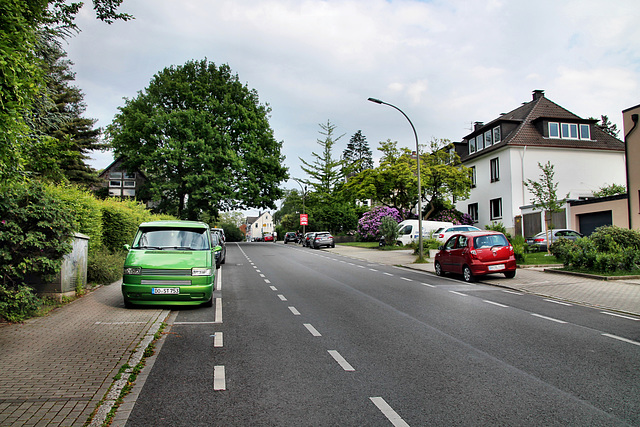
<point x="55" y="369"/>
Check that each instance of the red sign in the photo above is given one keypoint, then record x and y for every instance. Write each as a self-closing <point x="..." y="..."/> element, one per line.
<point x="304" y="219"/>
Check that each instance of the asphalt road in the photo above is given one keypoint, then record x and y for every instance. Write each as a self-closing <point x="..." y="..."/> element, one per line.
<point x="302" y="337"/>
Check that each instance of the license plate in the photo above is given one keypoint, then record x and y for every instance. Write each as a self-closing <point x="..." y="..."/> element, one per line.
<point x="164" y="291"/>
<point x="496" y="267"/>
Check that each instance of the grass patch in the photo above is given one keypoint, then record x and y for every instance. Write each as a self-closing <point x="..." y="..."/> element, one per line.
<point x="540" y="258"/>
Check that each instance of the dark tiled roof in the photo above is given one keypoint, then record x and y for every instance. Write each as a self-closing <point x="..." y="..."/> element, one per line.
<point x="526" y="133"/>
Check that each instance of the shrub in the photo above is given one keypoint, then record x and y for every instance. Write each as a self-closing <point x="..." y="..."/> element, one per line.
<point x="18" y="303"/>
<point x="518" y="244"/>
<point x="104" y="266"/>
<point x="498" y="226"/>
<point x="610" y="238"/>
<point x="454" y="216"/>
<point x="35" y="233"/>
<point x="389" y="230"/>
<point x="369" y="224"/>
<point x="86" y="211"/>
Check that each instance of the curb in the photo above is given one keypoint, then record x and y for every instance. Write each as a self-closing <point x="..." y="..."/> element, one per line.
<point x="112" y="395"/>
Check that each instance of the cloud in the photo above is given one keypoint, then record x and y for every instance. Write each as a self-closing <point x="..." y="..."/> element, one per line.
<point x="445" y="63"/>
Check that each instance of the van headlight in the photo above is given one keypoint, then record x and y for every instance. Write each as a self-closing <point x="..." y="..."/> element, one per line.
<point x="200" y="271"/>
<point x="132" y="270"/>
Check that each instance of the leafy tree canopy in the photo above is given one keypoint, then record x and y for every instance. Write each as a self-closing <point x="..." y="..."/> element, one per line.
<point x="203" y="140"/>
<point x="610" y="190"/>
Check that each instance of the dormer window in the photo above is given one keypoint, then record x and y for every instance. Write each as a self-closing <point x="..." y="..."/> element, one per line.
<point x="569" y="131"/>
<point x="472" y="145"/>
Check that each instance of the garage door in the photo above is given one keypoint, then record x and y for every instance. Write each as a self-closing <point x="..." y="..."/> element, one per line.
<point x="590" y="221"/>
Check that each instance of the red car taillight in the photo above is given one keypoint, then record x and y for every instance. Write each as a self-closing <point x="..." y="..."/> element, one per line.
<point x="538" y="240"/>
<point x="474" y="254"/>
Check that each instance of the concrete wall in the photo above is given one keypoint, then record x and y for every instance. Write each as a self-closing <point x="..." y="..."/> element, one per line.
<point x="632" y="141"/>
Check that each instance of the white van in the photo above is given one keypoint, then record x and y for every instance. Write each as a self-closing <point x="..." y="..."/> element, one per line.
<point x="408" y="230"/>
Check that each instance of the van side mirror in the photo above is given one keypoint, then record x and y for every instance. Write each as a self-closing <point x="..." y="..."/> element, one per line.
<point x="217" y="248"/>
<point x="441" y="248"/>
<point x="126" y="247"/>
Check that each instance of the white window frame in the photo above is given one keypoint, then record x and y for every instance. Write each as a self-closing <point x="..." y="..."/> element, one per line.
<point x="472" y="210"/>
<point x="115" y="192"/>
<point x="129" y="183"/>
<point x="498" y="204"/>
<point x="480" y="142"/>
<point x="495" y="169"/>
<point x="129" y="175"/>
<point x="588" y="131"/>
<point x="473" y="177"/>
<point x="472" y="145"/>
<point x="129" y="192"/>
<point x="115" y="175"/>
<point x="556" y="130"/>
<point x="114" y="183"/>
<point x="488" y="140"/>
<point x="497" y="135"/>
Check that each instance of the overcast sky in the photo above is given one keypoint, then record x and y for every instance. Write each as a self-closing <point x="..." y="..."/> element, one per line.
<point x="446" y="63"/>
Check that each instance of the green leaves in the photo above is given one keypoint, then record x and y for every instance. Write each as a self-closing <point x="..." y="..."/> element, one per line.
<point x="203" y="140"/>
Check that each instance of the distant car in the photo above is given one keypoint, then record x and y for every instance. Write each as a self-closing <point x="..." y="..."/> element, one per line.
<point x="306" y="240"/>
<point x="290" y="237"/>
<point x="268" y="238"/>
<point x="218" y="239"/>
<point x="324" y="238"/>
<point x="540" y="239"/>
<point x="443" y="234"/>
<point x="476" y="253"/>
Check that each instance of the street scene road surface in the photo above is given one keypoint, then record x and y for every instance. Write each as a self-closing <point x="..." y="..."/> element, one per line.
<point x="311" y="337"/>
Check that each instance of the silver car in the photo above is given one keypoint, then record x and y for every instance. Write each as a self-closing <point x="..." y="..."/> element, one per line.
<point x="540" y="239"/>
<point x="323" y="238"/>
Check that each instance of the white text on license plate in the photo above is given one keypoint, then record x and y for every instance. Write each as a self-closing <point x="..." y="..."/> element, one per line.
<point x="496" y="267"/>
<point x="163" y="291"/>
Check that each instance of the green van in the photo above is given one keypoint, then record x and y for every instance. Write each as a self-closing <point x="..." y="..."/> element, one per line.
<point x="170" y="263"/>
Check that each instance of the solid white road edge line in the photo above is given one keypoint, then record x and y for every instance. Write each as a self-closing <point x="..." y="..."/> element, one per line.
<point x="313" y="330"/>
<point x="219" y="279"/>
<point x="619" y="315"/>
<point x="388" y="412"/>
<point x="341" y="361"/>
<point x="458" y="293"/>
<point x="219" y="382"/>
<point x="495" y="303"/>
<point x="558" y="302"/>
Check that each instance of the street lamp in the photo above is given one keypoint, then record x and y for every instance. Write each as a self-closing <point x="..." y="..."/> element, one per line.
<point x="304" y="196"/>
<point x="377" y="101"/>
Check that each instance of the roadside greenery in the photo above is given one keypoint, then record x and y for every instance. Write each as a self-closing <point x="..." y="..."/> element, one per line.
<point x="608" y="250"/>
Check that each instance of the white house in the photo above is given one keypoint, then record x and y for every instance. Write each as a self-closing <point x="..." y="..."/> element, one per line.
<point x="259" y="226"/>
<point x="505" y="152"/>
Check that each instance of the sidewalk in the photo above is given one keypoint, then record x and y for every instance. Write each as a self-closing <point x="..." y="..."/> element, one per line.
<point x="618" y="295"/>
<point x="55" y="369"/>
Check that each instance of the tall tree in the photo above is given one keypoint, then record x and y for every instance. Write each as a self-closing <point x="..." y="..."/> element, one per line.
<point x="357" y="156"/>
<point x="22" y="74"/>
<point x="607" y="126"/>
<point x="545" y="195"/>
<point x="203" y="140"/>
<point x="325" y="171"/>
<point x="444" y="178"/>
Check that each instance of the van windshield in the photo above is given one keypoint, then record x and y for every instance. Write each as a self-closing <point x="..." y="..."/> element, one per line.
<point x="170" y="238"/>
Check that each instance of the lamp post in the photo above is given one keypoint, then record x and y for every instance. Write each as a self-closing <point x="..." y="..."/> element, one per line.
<point x="421" y="252"/>
<point x="304" y="196"/>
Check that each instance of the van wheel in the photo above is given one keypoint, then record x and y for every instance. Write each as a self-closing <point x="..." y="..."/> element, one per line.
<point x="510" y="274"/>
<point x="468" y="275"/>
<point x="438" y="267"/>
<point x="208" y="303"/>
<point x="128" y="304"/>
<point x="399" y="243"/>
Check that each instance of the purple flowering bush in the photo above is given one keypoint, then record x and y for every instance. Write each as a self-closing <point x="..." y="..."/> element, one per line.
<point x="369" y="224"/>
<point x="454" y="216"/>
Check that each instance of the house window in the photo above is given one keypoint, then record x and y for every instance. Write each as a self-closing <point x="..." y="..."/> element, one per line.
<point x="130" y="184"/>
<point x="480" y="142"/>
<point x="473" y="176"/>
<point x="115" y="175"/>
<point x="115" y="192"/>
<point x="495" y="208"/>
<point x="569" y="130"/>
<point x="129" y="175"/>
<point x="114" y="183"/>
<point x="472" y="145"/>
<point x="496" y="135"/>
<point x="473" y="211"/>
<point x="585" y="132"/>
<point x="495" y="170"/>
<point x="129" y="192"/>
<point x="488" y="141"/>
<point x="554" y="130"/>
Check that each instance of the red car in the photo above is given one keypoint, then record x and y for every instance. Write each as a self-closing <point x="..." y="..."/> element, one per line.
<point x="476" y="253"/>
<point x="268" y="238"/>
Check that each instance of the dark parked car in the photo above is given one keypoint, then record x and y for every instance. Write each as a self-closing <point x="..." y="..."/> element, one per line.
<point x="221" y="254"/>
<point x="290" y="237"/>
<point x="324" y="238"/>
<point x="476" y="253"/>
<point x="540" y="240"/>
